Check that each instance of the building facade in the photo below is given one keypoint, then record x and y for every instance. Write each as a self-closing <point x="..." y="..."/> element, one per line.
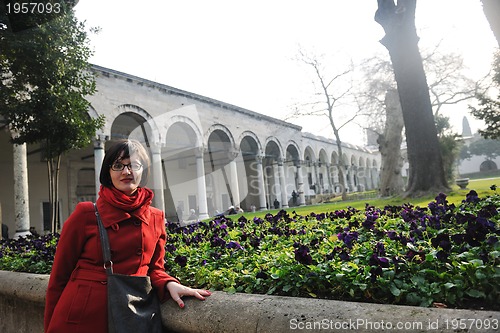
<point x="206" y="155"/>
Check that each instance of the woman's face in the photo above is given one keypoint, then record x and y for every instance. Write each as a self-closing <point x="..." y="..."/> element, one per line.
<point x="129" y="177"/>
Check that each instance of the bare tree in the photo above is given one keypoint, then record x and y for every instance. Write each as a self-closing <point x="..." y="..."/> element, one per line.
<point x="426" y="172"/>
<point x="327" y="102"/>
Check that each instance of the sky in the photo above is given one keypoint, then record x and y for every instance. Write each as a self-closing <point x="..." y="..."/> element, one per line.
<point x="244" y="52"/>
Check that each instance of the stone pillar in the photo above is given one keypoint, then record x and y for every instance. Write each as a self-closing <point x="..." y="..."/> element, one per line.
<point x="300" y="183"/>
<point x="202" y="187"/>
<point x="158" y="200"/>
<point x="235" y="189"/>
<point x="21" y="195"/>
<point x="329" y="178"/>
<point x="99" y="142"/>
<point x="260" y="180"/>
<point x="316" y="178"/>
<point x="284" y="194"/>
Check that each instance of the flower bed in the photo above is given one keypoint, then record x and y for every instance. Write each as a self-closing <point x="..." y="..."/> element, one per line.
<point x="439" y="255"/>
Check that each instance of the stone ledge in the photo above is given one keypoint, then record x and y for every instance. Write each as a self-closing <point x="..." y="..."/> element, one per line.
<point x="224" y="312"/>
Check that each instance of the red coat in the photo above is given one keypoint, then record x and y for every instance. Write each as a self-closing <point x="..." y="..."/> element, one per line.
<point x="76" y="298"/>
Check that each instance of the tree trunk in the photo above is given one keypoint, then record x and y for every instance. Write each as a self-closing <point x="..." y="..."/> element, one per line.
<point x="342" y="166"/>
<point x="491" y="10"/>
<point x="426" y="172"/>
<point x="53" y="173"/>
<point x="391" y="180"/>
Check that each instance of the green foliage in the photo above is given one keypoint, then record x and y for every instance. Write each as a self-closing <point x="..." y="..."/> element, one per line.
<point x="393" y="255"/>
<point x="399" y="254"/>
<point x="44" y="77"/>
<point x="31" y="254"/>
<point x="482" y="147"/>
<point x="449" y="143"/>
<point x="489" y="108"/>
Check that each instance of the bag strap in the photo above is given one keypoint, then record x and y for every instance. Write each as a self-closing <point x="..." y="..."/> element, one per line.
<point x="106" y="253"/>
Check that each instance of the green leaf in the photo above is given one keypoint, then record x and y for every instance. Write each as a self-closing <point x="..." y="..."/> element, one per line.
<point x="394" y="290"/>
<point x="475" y="293"/>
<point x="449" y="285"/>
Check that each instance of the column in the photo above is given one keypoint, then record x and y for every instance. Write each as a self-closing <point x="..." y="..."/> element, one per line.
<point x="202" y="188"/>
<point x="300" y="183"/>
<point x="235" y="189"/>
<point x="353" y="174"/>
<point x="316" y="178"/>
<point x="260" y="180"/>
<point x="21" y="195"/>
<point x="99" y="142"/>
<point x="284" y="194"/>
<point x="158" y="200"/>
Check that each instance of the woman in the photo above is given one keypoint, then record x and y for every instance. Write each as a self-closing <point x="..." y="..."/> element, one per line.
<point x="76" y="298"/>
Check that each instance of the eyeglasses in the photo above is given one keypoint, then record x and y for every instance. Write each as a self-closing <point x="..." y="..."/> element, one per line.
<point x="118" y="166"/>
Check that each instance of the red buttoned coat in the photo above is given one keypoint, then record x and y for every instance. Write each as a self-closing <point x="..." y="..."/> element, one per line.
<point x="76" y="298"/>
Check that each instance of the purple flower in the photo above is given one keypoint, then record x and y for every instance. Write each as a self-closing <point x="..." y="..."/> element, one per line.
<point x="170" y="248"/>
<point x="380" y="249"/>
<point x="472" y="197"/>
<point x="180" y="260"/>
<point x="442" y="241"/>
<point x="302" y="255"/>
<point x="392" y="235"/>
<point x="348" y="238"/>
<point x="217" y="242"/>
<point x="344" y="256"/>
<point x="234" y="245"/>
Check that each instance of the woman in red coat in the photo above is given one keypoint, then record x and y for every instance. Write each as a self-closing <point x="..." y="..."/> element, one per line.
<point x="76" y="298"/>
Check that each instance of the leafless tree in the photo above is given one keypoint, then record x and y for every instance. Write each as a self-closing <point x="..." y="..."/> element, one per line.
<point x="332" y="93"/>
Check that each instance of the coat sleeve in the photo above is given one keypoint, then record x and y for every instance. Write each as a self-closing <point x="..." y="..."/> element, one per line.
<point x="160" y="278"/>
<point x="68" y="251"/>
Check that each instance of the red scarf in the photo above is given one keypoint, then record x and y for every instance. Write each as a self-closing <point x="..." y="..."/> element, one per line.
<point x="136" y="204"/>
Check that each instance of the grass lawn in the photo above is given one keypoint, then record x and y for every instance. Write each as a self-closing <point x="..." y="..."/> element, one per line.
<point x="456" y="195"/>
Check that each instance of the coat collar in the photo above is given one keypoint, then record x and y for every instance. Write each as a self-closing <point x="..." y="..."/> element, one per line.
<point x="111" y="215"/>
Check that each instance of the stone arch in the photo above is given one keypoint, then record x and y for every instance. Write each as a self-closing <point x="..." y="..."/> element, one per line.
<point x="183" y="145"/>
<point x="293" y="176"/>
<point x="362" y="174"/>
<point x="488" y="165"/>
<point x="223" y="129"/>
<point x="138" y="124"/>
<point x="322" y="172"/>
<point x="310" y="182"/>
<point x="275" y="147"/>
<point x="251" y="154"/>
<point x="272" y="161"/>
<point x="292" y="153"/>
<point x="221" y="170"/>
<point x="178" y="119"/>
<point x="247" y="135"/>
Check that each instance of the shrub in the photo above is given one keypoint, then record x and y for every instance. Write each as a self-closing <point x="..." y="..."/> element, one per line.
<point x="396" y="254"/>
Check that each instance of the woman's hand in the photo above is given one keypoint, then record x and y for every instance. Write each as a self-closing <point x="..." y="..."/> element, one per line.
<point x="177" y="291"/>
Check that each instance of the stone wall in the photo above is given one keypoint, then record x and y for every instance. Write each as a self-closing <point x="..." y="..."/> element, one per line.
<point x="22" y="302"/>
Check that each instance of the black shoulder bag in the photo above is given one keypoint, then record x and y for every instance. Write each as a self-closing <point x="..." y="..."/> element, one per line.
<point x="133" y="305"/>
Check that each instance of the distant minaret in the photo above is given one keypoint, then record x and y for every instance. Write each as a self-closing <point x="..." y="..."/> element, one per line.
<point x="466" y="132"/>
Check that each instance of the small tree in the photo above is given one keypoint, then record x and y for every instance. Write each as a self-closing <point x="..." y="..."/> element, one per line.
<point x="44" y="77"/>
<point x="330" y="92"/>
<point x="450" y="144"/>
<point x="489" y="108"/>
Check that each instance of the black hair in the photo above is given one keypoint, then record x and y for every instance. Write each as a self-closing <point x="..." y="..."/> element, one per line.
<point x="127" y="147"/>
